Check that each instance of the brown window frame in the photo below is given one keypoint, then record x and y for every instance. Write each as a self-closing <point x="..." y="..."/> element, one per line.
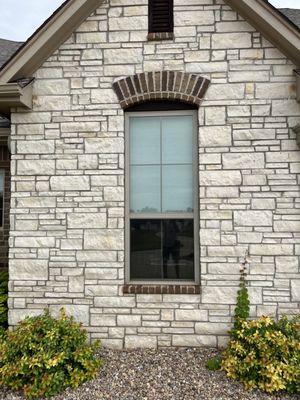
<point x="128" y="215"/>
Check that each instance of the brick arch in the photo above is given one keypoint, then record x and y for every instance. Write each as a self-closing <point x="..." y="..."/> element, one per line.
<point x="161" y="85"/>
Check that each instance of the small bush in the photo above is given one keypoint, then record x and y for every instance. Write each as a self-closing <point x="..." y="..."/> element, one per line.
<point x="3" y="300"/>
<point x="265" y="355"/>
<point x="44" y="356"/>
<point x="214" y="363"/>
<point x="242" y="309"/>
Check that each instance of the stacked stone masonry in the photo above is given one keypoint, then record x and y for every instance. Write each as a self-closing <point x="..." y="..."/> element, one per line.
<point x="67" y="207"/>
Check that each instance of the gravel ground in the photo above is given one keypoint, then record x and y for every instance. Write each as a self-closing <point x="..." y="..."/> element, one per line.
<point x="158" y="375"/>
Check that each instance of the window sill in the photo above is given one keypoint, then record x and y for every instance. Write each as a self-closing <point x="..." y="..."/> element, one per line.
<point x="161" y="289"/>
<point x="160" y="36"/>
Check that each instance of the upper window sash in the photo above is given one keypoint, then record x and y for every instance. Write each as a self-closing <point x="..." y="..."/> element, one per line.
<point x="161" y="164"/>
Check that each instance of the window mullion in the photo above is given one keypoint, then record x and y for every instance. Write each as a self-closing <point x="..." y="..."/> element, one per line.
<point x="173" y="215"/>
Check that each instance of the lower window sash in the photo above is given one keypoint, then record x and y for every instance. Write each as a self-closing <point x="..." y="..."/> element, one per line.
<point x="162" y="249"/>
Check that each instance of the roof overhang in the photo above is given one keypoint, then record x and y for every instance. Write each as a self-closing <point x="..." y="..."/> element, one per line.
<point x="56" y="30"/>
<point x="261" y="14"/>
<point x="13" y="95"/>
<point x="47" y="39"/>
<point x="272" y="24"/>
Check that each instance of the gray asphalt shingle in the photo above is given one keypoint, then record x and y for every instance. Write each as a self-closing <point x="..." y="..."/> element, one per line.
<point x="292" y="14"/>
<point x="7" y="49"/>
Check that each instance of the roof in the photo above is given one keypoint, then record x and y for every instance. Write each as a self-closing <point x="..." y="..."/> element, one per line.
<point x="273" y="24"/>
<point x="7" y="49"/>
<point x="46" y="39"/>
<point x="292" y="14"/>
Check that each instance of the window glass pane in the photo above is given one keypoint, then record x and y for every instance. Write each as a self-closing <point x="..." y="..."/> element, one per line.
<point x="178" y="249"/>
<point x="177" y="192"/>
<point x="145" y="186"/>
<point x="162" y="249"/>
<point x="145" y="140"/>
<point x="177" y="140"/>
<point x="145" y="249"/>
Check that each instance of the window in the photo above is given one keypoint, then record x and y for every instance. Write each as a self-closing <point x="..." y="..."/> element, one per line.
<point x="161" y="17"/>
<point x="2" y="177"/>
<point x="161" y="196"/>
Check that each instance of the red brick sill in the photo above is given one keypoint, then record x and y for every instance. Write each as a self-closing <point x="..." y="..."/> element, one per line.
<point x="160" y="36"/>
<point x="161" y="289"/>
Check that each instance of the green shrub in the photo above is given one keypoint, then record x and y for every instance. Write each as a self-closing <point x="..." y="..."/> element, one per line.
<point x="45" y="355"/>
<point x="242" y="309"/>
<point x="3" y="299"/>
<point x="214" y="363"/>
<point x="265" y="355"/>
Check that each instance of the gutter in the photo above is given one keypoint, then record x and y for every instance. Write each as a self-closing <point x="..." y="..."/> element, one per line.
<point x="13" y="95"/>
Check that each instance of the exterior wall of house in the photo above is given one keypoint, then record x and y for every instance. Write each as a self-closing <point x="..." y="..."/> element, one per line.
<point x="67" y="208"/>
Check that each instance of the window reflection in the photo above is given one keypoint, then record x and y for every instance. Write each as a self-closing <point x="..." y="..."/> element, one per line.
<point x="162" y="249"/>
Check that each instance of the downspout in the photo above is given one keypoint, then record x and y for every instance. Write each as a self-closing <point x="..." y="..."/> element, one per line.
<point x="296" y="129"/>
<point x="297" y="73"/>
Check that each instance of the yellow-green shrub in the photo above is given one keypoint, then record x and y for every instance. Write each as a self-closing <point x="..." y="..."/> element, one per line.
<point x="266" y="355"/>
<point x="45" y="355"/>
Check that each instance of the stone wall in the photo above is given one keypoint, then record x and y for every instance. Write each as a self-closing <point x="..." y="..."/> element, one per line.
<point x="67" y="214"/>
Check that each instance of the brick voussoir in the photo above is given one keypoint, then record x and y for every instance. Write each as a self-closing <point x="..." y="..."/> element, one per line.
<point x="118" y="91"/>
<point x="169" y="85"/>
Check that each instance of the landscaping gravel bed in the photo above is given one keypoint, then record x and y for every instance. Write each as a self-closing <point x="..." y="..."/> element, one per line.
<point x="158" y="375"/>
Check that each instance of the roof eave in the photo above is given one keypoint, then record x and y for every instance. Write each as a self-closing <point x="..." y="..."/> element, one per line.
<point x="273" y="26"/>
<point x="13" y="95"/>
<point x="47" y="39"/>
<point x="266" y="19"/>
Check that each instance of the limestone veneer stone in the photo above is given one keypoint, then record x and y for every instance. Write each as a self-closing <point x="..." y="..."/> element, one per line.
<point x="67" y="235"/>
